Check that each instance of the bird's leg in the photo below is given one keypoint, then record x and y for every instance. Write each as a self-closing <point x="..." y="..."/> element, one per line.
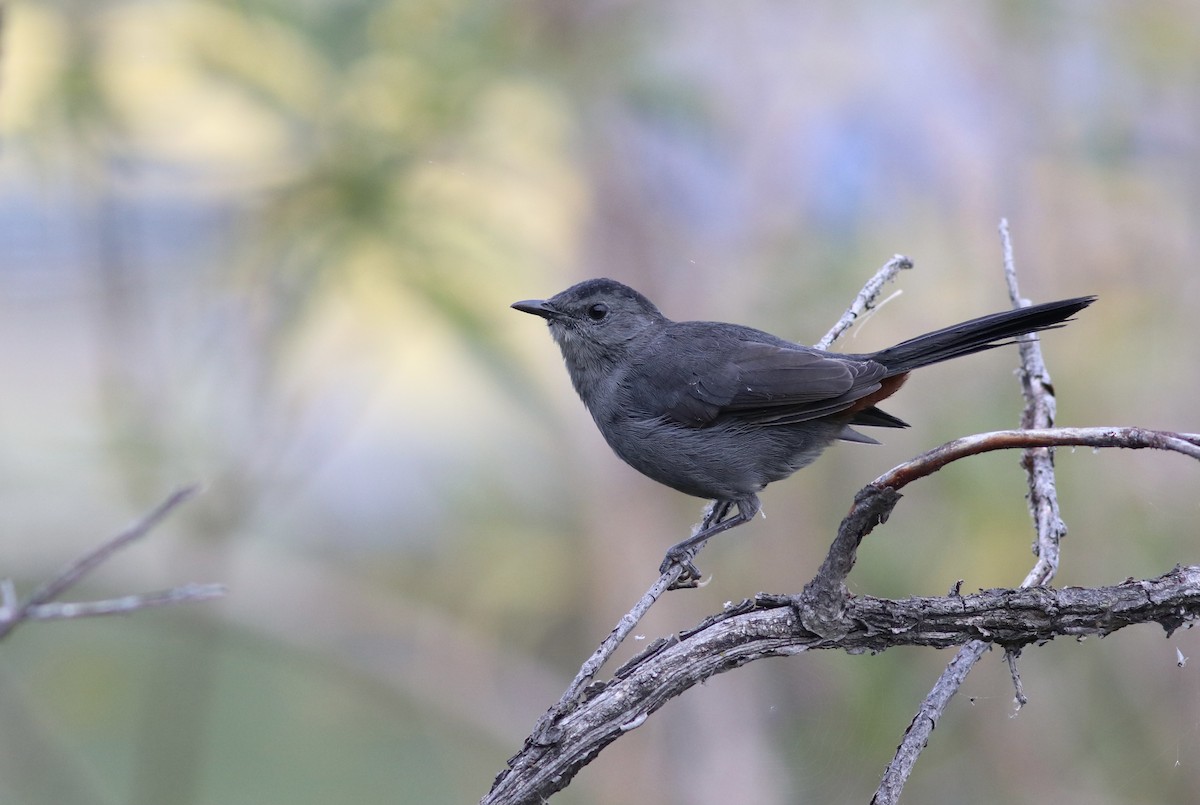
<point x="717" y="520"/>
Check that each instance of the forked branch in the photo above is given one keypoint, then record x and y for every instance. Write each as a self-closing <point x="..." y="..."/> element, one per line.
<point x="41" y="604"/>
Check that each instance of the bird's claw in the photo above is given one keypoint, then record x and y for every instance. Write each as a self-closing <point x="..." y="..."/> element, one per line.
<point x="689" y="575"/>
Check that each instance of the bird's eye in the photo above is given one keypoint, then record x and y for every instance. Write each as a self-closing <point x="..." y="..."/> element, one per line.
<point x="597" y="311"/>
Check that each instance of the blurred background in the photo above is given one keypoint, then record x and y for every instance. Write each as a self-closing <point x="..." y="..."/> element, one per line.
<point x="269" y="245"/>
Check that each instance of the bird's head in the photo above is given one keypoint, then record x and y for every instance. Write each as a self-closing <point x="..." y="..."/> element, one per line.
<point x="596" y="324"/>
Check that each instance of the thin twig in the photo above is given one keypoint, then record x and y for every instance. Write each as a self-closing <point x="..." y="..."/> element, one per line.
<point x="928" y="714"/>
<point x="75" y="571"/>
<point x="544" y="731"/>
<point x="39" y="605"/>
<point x="1041" y="407"/>
<point x="184" y="594"/>
<point x="865" y="299"/>
<point x="1011" y="656"/>
<point x="1132" y="438"/>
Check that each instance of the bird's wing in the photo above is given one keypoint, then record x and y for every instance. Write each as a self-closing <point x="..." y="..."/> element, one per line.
<point x="750" y="377"/>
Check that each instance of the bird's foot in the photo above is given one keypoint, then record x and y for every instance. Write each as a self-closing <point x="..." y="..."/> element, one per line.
<point x="689" y="575"/>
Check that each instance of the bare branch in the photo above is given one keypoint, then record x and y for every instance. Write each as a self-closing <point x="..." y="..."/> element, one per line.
<point x="41" y="606"/>
<point x="874" y="502"/>
<point x="774" y="626"/>
<point x="928" y="714"/>
<point x="1041" y="408"/>
<point x="1127" y="437"/>
<point x="1039" y="413"/>
<point x="825" y="616"/>
<point x="1011" y="656"/>
<point x="545" y="731"/>
<point x="185" y="594"/>
<point x="865" y="299"/>
<point x="75" y="571"/>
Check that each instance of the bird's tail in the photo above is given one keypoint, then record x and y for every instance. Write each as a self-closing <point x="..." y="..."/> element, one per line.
<point x="976" y="335"/>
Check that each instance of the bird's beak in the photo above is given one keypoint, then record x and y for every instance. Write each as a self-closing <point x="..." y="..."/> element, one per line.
<point x="538" y="307"/>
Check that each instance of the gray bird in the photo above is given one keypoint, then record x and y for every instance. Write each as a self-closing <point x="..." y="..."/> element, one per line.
<point x="720" y="410"/>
